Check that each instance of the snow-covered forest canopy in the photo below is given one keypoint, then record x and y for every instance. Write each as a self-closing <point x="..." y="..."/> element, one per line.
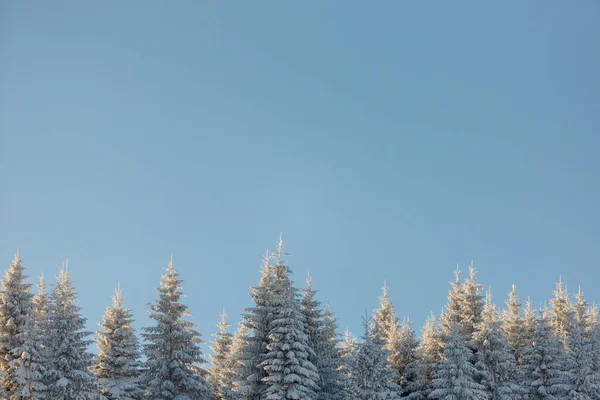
<point x="288" y="346"/>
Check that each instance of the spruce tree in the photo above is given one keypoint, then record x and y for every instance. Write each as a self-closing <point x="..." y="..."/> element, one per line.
<point x="220" y="374"/>
<point x="239" y="371"/>
<point x="15" y="313"/>
<point x="173" y="369"/>
<point x="560" y="313"/>
<point x="493" y="358"/>
<point x="405" y="354"/>
<point x="373" y="376"/>
<point x="455" y="378"/>
<point x="320" y="328"/>
<point x="29" y="367"/>
<point x="348" y="348"/>
<point x="386" y="319"/>
<point x="512" y="324"/>
<point x="250" y="375"/>
<point x="473" y="304"/>
<point x="453" y="312"/>
<point x="290" y="374"/>
<point x="543" y="378"/>
<point x="40" y="301"/>
<point x="67" y="358"/>
<point x="117" y="363"/>
<point x="422" y="370"/>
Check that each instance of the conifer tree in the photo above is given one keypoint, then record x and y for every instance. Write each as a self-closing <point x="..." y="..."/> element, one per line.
<point x="220" y="374"/>
<point x="584" y="382"/>
<point x="348" y="348"/>
<point x="386" y="318"/>
<point x="512" y="324"/>
<point x="561" y="314"/>
<point x="117" y="363"/>
<point x="373" y="376"/>
<point x="236" y="363"/>
<point x="320" y="328"/>
<point x="422" y="370"/>
<point x="40" y="300"/>
<point x="173" y="369"/>
<point x="473" y="304"/>
<point x="15" y="312"/>
<point x="290" y="374"/>
<point x="494" y="360"/>
<point x="250" y="375"/>
<point x="67" y="358"/>
<point x="543" y="378"/>
<point x="453" y="313"/>
<point x="455" y="377"/>
<point x="405" y="353"/>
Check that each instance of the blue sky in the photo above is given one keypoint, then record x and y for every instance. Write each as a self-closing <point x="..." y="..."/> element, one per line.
<point x="386" y="141"/>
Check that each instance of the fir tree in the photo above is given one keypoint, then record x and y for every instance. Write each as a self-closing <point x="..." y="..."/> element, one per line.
<point x="453" y="313"/>
<point x="348" y="348"/>
<point x="249" y="381"/>
<point x="373" y="376"/>
<point x="405" y="353"/>
<point x="220" y="374"/>
<point x="512" y="324"/>
<point x="560" y="313"/>
<point x="67" y="358"/>
<point x="15" y="312"/>
<point x="473" y="304"/>
<point x="386" y="319"/>
<point x="494" y="360"/>
<point x="29" y="367"/>
<point x="236" y="363"/>
<point x="320" y="328"/>
<point x="173" y="367"/>
<point x="40" y="300"/>
<point x="290" y="374"/>
<point x="455" y="377"/>
<point x="543" y="378"/>
<point x="422" y="370"/>
<point x="118" y="366"/>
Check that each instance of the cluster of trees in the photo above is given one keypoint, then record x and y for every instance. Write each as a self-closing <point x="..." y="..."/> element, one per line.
<point x="287" y="347"/>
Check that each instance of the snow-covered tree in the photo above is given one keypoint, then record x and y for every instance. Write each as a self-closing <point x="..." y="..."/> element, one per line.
<point x="544" y="366"/>
<point x="422" y="370"/>
<point x="173" y="369"/>
<point x="290" y="373"/>
<point x="453" y="311"/>
<point x="320" y="327"/>
<point x="493" y="359"/>
<point x="29" y="367"/>
<point x="386" y="318"/>
<point x="560" y="313"/>
<point x="584" y="382"/>
<point x="373" y="376"/>
<point x="238" y="370"/>
<point x="117" y="363"/>
<point x="249" y="381"/>
<point x="473" y="304"/>
<point x="512" y="324"/>
<point x="348" y="348"/>
<point x="67" y="360"/>
<point x="15" y="313"/>
<point x="405" y="353"/>
<point x="40" y="300"/>
<point x="455" y="378"/>
<point x="220" y="374"/>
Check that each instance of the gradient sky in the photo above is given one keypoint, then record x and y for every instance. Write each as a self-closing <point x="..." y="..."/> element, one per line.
<point x="388" y="140"/>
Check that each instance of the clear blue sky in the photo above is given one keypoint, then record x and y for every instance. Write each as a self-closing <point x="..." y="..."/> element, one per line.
<point x="388" y="140"/>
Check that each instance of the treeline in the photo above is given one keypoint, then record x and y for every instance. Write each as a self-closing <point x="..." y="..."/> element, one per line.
<point x="287" y="347"/>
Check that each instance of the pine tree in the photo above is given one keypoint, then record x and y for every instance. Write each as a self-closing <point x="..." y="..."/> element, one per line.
<point x="67" y="358"/>
<point x="542" y="363"/>
<point x="422" y="370"/>
<point x="320" y="328"/>
<point x="592" y="331"/>
<point x="290" y="374"/>
<point x="561" y="314"/>
<point x="249" y="381"/>
<point x="29" y="367"/>
<point x="40" y="300"/>
<point x="220" y="374"/>
<point x="455" y="377"/>
<point x="386" y="318"/>
<point x="405" y="353"/>
<point x="453" y="313"/>
<point x="373" y="376"/>
<point x="15" y="312"/>
<point x="238" y="369"/>
<point x="512" y="324"/>
<point x="118" y="366"/>
<point x="494" y="360"/>
<point x="348" y="349"/>
<point x="173" y="367"/>
<point x="473" y="304"/>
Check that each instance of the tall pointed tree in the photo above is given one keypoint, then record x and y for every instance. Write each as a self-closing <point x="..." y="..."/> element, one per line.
<point x="15" y="312"/>
<point x="239" y="370"/>
<point x="67" y="357"/>
<point x="173" y="369"/>
<point x="290" y="373"/>
<point x="118" y="365"/>
<point x="474" y="301"/>
<point x="512" y="324"/>
<point x="373" y="376"/>
<point x="348" y="348"/>
<point x="250" y="375"/>
<point x="453" y="313"/>
<point x="423" y="369"/>
<point x="320" y="328"/>
<point x="560" y="313"/>
<point x="386" y="318"/>
<point x="220" y="374"/>
<point x="405" y="353"/>
<point x="494" y="360"/>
